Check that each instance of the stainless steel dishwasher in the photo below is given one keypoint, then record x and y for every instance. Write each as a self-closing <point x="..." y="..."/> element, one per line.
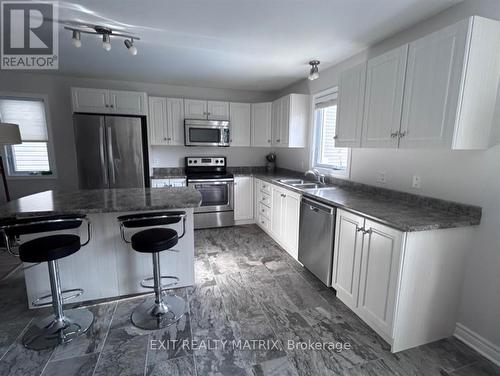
<point x="316" y="238"/>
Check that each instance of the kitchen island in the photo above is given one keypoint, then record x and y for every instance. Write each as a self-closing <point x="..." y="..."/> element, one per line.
<point x="107" y="267"/>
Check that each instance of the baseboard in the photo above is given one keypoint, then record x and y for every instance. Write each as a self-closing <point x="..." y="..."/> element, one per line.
<point x="478" y="343"/>
<point x="244" y="222"/>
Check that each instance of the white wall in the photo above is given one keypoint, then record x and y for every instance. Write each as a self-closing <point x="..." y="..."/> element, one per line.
<point x="58" y="90"/>
<point x="469" y="177"/>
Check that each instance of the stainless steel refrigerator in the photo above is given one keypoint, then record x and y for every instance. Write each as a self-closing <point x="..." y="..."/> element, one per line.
<point x="111" y="151"/>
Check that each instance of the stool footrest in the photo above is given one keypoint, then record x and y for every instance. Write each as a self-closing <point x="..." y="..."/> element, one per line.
<point x="42" y="301"/>
<point x="163" y="286"/>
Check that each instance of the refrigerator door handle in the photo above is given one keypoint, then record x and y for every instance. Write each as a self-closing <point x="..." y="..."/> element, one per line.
<point x="111" y="160"/>
<point x="102" y="154"/>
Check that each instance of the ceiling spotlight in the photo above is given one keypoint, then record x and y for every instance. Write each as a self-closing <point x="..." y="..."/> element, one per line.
<point x="76" y="40"/>
<point x="132" y="49"/>
<point x="314" y="72"/>
<point x="106" y="42"/>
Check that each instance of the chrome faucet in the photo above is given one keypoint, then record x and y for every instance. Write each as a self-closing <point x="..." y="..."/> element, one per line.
<point x="320" y="178"/>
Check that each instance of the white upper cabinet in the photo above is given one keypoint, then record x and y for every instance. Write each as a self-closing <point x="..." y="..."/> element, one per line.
<point x="104" y="101"/>
<point x="218" y="110"/>
<point x="166" y="121"/>
<point x="290" y="118"/>
<point x="350" y="107"/>
<point x="261" y="124"/>
<point x="128" y="102"/>
<point x="201" y="109"/>
<point x="385" y="77"/>
<point x="195" y="109"/>
<point x="239" y="119"/>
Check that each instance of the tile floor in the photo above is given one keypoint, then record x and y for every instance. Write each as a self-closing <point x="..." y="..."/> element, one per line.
<point x="247" y="288"/>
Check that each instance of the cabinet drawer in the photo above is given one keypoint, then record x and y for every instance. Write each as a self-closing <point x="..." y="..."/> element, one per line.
<point x="265" y="199"/>
<point x="264" y="210"/>
<point x="264" y="222"/>
<point x="265" y="187"/>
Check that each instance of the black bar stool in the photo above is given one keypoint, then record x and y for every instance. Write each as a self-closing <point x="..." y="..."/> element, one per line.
<point x="62" y="326"/>
<point x="161" y="310"/>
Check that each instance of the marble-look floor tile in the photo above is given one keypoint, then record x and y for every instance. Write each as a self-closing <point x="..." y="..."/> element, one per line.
<point x="275" y="367"/>
<point x="220" y="362"/>
<point x="93" y="340"/>
<point x="173" y="340"/>
<point x="481" y="368"/>
<point x="183" y="366"/>
<point x="79" y="366"/>
<point x="379" y="367"/>
<point x="129" y="359"/>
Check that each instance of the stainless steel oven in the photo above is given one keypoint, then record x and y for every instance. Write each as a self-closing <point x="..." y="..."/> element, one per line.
<point x="206" y="132"/>
<point x="209" y="177"/>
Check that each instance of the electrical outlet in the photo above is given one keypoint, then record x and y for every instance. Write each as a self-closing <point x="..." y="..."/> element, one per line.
<point x="381" y="178"/>
<point x="416" y="183"/>
<point x="155" y="162"/>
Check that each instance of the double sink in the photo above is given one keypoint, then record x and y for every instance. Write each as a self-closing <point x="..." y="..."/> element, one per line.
<point x="301" y="184"/>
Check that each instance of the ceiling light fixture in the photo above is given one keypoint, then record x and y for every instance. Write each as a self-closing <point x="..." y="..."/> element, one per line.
<point x="130" y="46"/>
<point x="76" y="40"/>
<point x="314" y="72"/>
<point x="105" y="32"/>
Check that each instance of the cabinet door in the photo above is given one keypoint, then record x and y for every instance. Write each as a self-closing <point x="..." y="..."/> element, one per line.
<point x="350" y="107"/>
<point x="379" y="276"/>
<point x="261" y="124"/>
<point x="178" y="182"/>
<point x="175" y="121"/>
<point x="128" y="102"/>
<point x="385" y="76"/>
<point x="290" y="221"/>
<point x="157" y="121"/>
<point x="218" y="110"/>
<point x="90" y="100"/>
<point x="243" y="198"/>
<point x="195" y="109"/>
<point x="347" y="257"/>
<point x="276" y="122"/>
<point x="432" y="88"/>
<point x="284" y="124"/>
<point x="239" y="118"/>
<point x="276" y="212"/>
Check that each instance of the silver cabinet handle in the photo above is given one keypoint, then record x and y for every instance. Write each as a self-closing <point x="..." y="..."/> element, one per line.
<point x="394" y="134"/>
<point x="278" y="140"/>
<point x="358" y="229"/>
<point x="402" y="134"/>
<point x="268" y="141"/>
<point x="283" y="195"/>
<point x="169" y="139"/>
<point x="335" y="137"/>
<point x="164" y="139"/>
<point x="112" y="106"/>
<point x="106" y="105"/>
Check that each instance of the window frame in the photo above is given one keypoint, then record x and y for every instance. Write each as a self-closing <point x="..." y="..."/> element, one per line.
<point x="6" y="152"/>
<point x="324" y="169"/>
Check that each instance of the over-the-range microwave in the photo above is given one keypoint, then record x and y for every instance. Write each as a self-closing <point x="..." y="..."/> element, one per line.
<point x="206" y="132"/>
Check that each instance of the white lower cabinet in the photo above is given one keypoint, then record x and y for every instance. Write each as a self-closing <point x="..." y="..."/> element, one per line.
<point x="163" y="183"/>
<point x="404" y="285"/>
<point x="243" y="198"/>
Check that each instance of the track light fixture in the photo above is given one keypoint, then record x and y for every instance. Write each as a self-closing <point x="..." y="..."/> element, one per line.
<point x="105" y="32"/>
<point x="130" y="46"/>
<point x="76" y="40"/>
<point x="314" y="72"/>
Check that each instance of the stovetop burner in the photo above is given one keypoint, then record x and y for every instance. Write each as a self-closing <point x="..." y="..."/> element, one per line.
<point x="207" y="168"/>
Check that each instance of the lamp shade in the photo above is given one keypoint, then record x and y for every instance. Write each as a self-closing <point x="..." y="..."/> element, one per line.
<point x="9" y="134"/>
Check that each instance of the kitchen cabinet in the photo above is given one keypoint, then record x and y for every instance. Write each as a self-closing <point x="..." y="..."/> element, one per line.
<point x="385" y="77"/>
<point x="290" y="118"/>
<point x="243" y="199"/>
<point x="451" y="87"/>
<point x="162" y="183"/>
<point x="378" y="272"/>
<point x="104" y="101"/>
<point x="166" y="121"/>
<point x="350" y="106"/>
<point x="239" y="119"/>
<point x="202" y="109"/>
<point x="261" y="123"/>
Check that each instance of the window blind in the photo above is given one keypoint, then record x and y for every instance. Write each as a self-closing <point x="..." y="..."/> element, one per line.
<point x="29" y="114"/>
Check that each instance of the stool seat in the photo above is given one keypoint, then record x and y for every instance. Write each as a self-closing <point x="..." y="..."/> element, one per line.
<point x="154" y="240"/>
<point x="49" y="248"/>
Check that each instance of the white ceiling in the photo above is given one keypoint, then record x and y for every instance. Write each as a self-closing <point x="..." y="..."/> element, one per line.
<point x="238" y="44"/>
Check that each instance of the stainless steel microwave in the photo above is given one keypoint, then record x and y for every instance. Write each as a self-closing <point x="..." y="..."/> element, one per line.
<point x="206" y="132"/>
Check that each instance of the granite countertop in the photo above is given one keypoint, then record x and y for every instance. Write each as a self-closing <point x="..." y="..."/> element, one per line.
<point x="101" y="201"/>
<point x="403" y="211"/>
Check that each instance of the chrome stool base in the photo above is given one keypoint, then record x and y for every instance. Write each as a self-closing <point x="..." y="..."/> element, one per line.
<point x="150" y="315"/>
<point x="50" y="332"/>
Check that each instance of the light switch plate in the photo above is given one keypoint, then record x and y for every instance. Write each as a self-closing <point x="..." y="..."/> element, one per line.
<point x="381" y="178"/>
<point x="416" y="183"/>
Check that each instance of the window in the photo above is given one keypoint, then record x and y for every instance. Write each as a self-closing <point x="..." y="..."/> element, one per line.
<point x="326" y="156"/>
<point x="32" y="156"/>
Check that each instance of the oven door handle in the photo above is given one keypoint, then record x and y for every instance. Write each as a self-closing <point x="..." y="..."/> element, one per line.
<point x="211" y="181"/>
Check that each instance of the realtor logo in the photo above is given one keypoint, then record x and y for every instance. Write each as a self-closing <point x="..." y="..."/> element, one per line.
<point x="29" y="35"/>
